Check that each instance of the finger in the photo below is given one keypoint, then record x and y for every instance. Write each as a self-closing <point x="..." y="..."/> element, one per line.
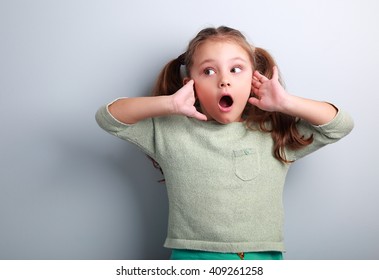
<point x="257" y="75"/>
<point x="256" y="83"/>
<point x="275" y="75"/>
<point x="260" y="77"/>
<point x="256" y="92"/>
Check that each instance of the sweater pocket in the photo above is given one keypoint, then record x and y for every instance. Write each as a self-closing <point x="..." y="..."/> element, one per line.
<point x="246" y="164"/>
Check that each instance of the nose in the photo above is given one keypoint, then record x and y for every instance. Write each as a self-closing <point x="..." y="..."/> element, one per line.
<point x="224" y="82"/>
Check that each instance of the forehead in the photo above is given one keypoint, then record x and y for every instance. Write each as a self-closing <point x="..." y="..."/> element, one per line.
<point x="220" y="50"/>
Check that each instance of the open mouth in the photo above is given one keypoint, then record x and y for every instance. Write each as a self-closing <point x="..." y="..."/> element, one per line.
<point x="226" y="101"/>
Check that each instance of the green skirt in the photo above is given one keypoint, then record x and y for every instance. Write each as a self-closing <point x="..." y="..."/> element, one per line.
<point x="179" y="254"/>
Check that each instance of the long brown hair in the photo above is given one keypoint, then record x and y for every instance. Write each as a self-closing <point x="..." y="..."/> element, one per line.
<point x="282" y="127"/>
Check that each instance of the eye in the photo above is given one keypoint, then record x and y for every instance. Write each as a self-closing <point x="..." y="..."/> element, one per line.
<point x="209" y="71"/>
<point x="236" y="70"/>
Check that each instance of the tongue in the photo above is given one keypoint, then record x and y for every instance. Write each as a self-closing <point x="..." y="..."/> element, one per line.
<point x="226" y="101"/>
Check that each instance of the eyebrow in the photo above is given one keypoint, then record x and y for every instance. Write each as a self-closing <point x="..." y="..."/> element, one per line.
<point x="213" y="60"/>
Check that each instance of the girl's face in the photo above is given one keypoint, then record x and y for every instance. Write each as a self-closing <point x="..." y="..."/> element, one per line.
<point x="223" y="74"/>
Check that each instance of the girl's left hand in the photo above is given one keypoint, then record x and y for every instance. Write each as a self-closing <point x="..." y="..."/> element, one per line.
<point x="269" y="94"/>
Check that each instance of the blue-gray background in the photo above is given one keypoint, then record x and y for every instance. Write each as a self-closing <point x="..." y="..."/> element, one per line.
<point x="68" y="190"/>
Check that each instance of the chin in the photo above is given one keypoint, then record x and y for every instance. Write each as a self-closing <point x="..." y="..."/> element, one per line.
<point x="227" y="120"/>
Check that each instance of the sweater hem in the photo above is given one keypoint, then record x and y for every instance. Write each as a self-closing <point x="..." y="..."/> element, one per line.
<point x="224" y="247"/>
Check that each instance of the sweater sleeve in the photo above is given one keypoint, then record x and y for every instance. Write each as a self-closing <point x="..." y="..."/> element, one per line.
<point x="141" y="133"/>
<point x="329" y="133"/>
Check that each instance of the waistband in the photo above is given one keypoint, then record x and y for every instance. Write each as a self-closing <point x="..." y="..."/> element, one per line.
<point x="180" y="254"/>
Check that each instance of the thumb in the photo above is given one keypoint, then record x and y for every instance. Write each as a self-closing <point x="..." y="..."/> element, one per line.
<point x="188" y="83"/>
<point x="200" y="116"/>
<point x="254" y="101"/>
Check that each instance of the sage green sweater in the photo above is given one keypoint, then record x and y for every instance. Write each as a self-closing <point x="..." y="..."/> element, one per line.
<point x="224" y="185"/>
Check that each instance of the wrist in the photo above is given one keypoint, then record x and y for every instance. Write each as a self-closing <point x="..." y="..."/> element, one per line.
<point x="172" y="105"/>
<point x="315" y="112"/>
<point x="287" y="104"/>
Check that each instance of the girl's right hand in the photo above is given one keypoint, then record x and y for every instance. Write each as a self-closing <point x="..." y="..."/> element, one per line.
<point x="184" y="100"/>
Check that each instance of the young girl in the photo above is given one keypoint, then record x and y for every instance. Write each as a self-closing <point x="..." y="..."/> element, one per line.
<point x="224" y="134"/>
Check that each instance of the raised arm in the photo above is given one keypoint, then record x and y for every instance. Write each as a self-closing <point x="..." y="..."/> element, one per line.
<point x="271" y="96"/>
<point x="132" y="110"/>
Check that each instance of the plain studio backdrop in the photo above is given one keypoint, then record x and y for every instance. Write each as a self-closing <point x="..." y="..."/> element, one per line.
<point x="68" y="190"/>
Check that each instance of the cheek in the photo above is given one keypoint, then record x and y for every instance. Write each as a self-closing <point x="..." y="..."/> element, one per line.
<point x="200" y="90"/>
<point x="205" y="98"/>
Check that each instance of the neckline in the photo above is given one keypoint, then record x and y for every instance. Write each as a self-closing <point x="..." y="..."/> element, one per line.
<point x="219" y="126"/>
